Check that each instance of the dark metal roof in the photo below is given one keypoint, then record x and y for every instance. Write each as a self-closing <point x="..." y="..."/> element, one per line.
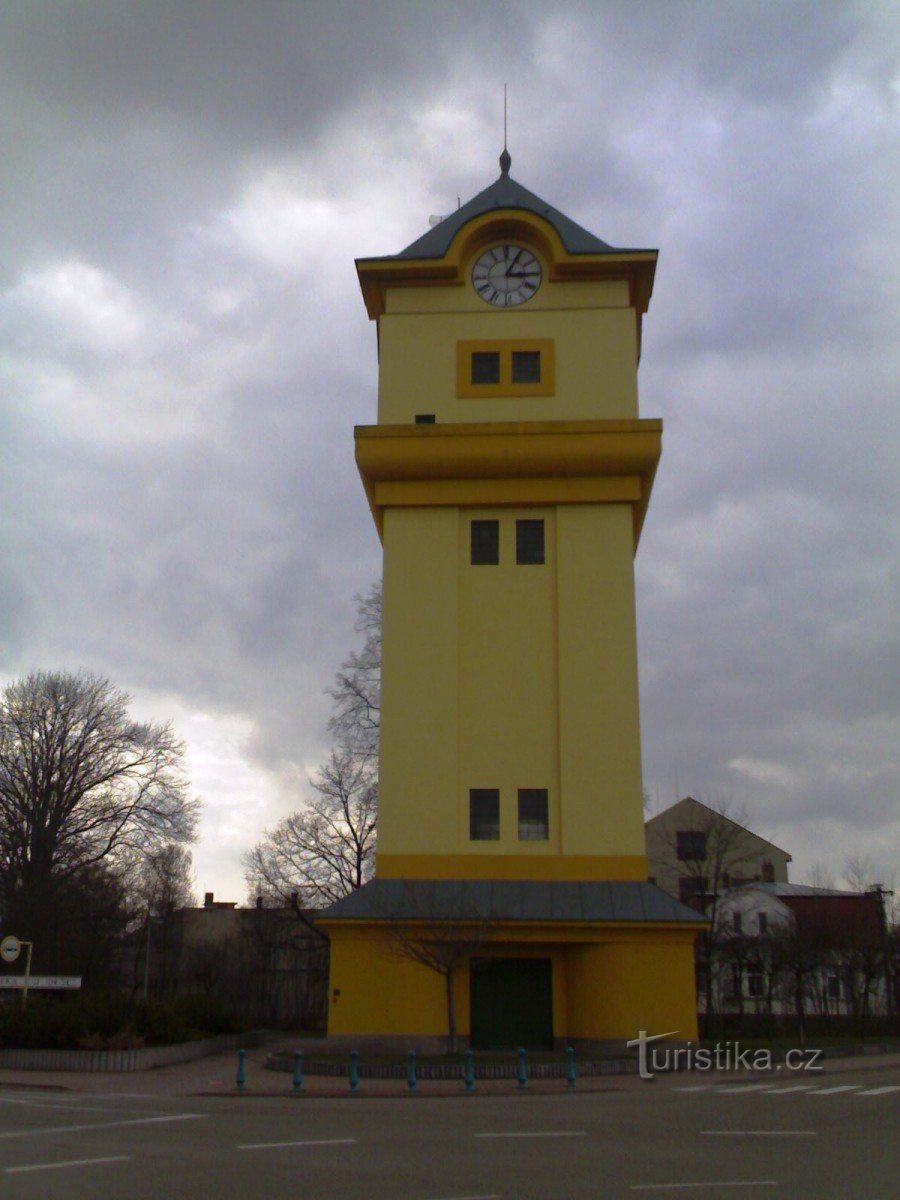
<point x="505" y="192"/>
<point x="461" y="900"/>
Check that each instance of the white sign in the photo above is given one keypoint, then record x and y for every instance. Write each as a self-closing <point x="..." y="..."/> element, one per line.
<point x="46" y="983"/>
<point x="9" y="949"/>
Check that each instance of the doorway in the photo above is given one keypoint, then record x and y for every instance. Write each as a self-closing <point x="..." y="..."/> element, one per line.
<point x="512" y="1003"/>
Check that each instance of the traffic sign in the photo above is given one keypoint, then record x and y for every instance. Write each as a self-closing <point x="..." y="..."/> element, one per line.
<point x="40" y="983"/>
<point x="9" y="949"/>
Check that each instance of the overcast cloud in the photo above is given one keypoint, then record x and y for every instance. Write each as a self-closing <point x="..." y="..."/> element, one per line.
<point x="184" y="352"/>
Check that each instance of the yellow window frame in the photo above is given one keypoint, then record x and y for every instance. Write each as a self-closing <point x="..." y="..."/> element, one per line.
<point x="467" y="390"/>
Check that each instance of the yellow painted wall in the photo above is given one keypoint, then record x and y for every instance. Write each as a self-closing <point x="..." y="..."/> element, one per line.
<point x="606" y="982"/>
<point x="640" y="982"/>
<point x="509" y="677"/>
<point x="600" y="756"/>
<point x="595" y="342"/>
<point x="418" y="769"/>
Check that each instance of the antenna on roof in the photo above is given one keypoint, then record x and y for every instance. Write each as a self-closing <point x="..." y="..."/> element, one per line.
<point x="505" y="160"/>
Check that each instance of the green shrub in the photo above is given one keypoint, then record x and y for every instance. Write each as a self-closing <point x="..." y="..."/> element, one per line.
<point x="108" y="1021"/>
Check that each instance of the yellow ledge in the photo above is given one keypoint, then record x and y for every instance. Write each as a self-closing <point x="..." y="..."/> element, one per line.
<point x="515" y="452"/>
<point x="566" y="867"/>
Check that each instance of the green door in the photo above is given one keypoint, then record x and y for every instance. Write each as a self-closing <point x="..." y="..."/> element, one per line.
<point x="512" y="1003"/>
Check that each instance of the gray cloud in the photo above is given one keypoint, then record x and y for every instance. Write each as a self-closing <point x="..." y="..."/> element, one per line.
<point x="184" y="352"/>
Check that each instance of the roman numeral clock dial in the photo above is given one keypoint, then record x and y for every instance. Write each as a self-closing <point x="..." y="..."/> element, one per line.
<point x="506" y="275"/>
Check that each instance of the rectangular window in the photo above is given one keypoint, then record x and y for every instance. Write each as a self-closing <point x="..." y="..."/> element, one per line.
<point x="737" y="921"/>
<point x="505" y="368"/>
<point x="534" y="821"/>
<point x="526" y="366"/>
<point x="485" y="543"/>
<point x="690" y="845"/>
<point x="529" y="542"/>
<point x="486" y="366"/>
<point x="690" y="887"/>
<point x="763" y="922"/>
<point x="484" y="815"/>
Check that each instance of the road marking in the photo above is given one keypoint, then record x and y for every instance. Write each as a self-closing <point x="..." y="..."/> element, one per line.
<point x="759" y="1132"/>
<point x="718" y="1183"/>
<point x="844" y="1087"/>
<point x="744" y="1087"/>
<point x="880" y="1091"/>
<point x="542" y="1133"/>
<point x="492" y="1196"/>
<point x="798" y="1087"/>
<point x="21" y="1133"/>
<point x="698" y="1087"/>
<point x="59" y="1166"/>
<point x="280" y="1145"/>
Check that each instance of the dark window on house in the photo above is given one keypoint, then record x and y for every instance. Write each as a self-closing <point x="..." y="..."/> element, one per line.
<point x="754" y="983"/>
<point x="484" y="815"/>
<point x="424" y="418"/>
<point x="486" y="366"/>
<point x="485" y="544"/>
<point x="534" y="821"/>
<point x="690" y="845"/>
<point x="763" y="922"/>
<point x="737" y="920"/>
<point x="690" y="886"/>
<point x="526" y="366"/>
<point x="529" y="542"/>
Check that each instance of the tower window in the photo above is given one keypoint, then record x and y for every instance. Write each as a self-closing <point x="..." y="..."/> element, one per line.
<point x="529" y="542"/>
<point x="485" y="543"/>
<point x="505" y="368"/>
<point x="526" y="366"/>
<point x="534" y="823"/>
<point x="486" y="366"/>
<point x="484" y="815"/>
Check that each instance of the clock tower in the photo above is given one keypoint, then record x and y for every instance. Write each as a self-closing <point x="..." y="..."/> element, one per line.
<point x="508" y="476"/>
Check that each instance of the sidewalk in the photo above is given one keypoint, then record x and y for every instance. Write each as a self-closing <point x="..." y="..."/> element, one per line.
<point x="216" y="1075"/>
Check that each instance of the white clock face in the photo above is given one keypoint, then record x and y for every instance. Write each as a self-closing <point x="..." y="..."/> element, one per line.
<point x="506" y="275"/>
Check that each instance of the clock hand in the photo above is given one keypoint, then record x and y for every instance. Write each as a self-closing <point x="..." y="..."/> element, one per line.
<point x="509" y="269"/>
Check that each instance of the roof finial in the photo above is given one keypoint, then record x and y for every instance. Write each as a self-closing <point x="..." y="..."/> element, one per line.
<point x="505" y="160"/>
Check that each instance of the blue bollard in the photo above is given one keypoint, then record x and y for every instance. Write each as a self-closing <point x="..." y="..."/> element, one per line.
<point x="241" y="1073"/>
<point x="411" y="1070"/>
<point x="570" y="1067"/>
<point x="469" y="1071"/>
<point x="354" y="1070"/>
<point x="521" y="1074"/>
<point x="298" y="1070"/>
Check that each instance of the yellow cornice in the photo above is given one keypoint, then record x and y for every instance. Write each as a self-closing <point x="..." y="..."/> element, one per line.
<point x="637" y="267"/>
<point x="555" y="462"/>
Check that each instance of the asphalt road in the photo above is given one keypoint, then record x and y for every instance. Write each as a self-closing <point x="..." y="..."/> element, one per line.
<point x="804" y="1138"/>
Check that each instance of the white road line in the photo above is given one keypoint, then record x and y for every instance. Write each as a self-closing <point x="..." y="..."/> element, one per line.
<point x="542" y="1133"/>
<point x="281" y="1145"/>
<point x="783" y="1091"/>
<point x="717" y="1183"/>
<point x="492" y="1196"/>
<point x="22" y="1133"/>
<point x="759" y="1133"/>
<point x="880" y="1091"/>
<point x="744" y="1087"/>
<point x="832" y="1091"/>
<point x="701" y="1087"/>
<point x="59" y="1166"/>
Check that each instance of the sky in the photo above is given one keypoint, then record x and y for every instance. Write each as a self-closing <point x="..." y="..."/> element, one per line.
<point x="184" y="353"/>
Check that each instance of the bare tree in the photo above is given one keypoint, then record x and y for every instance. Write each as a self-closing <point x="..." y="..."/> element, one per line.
<point x="357" y="687"/>
<point x="423" y="928"/>
<point x="321" y="853"/>
<point x="81" y="783"/>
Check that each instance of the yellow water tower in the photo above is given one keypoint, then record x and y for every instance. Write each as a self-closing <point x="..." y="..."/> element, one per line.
<point x="508" y="476"/>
